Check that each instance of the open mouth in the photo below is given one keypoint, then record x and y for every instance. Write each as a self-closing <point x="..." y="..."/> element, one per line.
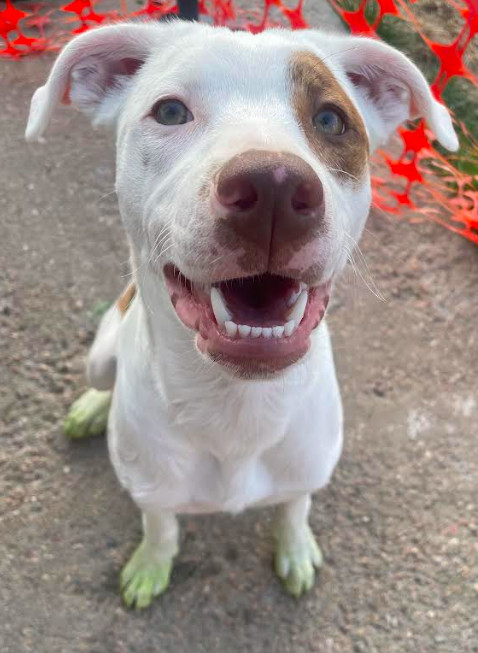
<point x="258" y="324"/>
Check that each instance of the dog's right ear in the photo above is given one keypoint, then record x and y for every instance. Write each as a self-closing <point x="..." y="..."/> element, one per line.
<point x="93" y="73"/>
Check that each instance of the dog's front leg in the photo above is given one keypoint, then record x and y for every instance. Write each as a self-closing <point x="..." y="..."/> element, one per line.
<point x="297" y="553"/>
<point x="147" y="573"/>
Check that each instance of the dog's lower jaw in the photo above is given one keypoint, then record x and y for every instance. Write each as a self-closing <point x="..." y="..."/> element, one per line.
<point x="256" y="370"/>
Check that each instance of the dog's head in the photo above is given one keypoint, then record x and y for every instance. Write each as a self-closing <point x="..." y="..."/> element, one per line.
<point x="242" y="166"/>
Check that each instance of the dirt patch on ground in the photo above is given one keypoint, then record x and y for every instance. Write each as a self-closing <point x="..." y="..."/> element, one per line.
<point x="398" y="524"/>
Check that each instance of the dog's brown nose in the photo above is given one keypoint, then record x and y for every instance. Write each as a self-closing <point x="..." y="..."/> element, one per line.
<point x="271" y="199"/>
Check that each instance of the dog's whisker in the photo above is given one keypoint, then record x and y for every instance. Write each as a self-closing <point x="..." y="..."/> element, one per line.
<point x="165" y="248"/>
<point x="338" y="52"/>
<point x="365" y="275"/>
<point x="344" y="172"/>
<point x="160" y="242"/>
<point x="106" y="195"/>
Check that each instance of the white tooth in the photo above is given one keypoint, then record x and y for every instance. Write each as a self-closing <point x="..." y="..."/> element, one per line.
<point x="256" y="332"/>
<point x="293" y="298"/>
<point x="278" y="331"/>
<point x="244" y="330"/>
<point x="297" y="312"/>
<point x="231" y="329"/>
<point x="266" y="332"/>
<point x="219" y="306"/>
<point x="289" y="328"/>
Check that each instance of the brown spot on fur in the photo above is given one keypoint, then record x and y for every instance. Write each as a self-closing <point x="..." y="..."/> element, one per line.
<point x="314" y="86"/>
<point x="124" y="300"/>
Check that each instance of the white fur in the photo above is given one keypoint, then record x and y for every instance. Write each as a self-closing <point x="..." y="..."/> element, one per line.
<point x="185" y="435"/>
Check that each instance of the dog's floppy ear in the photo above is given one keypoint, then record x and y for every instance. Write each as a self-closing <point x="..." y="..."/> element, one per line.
<point x="389" y="89"/>
<point x="92" y="72"/>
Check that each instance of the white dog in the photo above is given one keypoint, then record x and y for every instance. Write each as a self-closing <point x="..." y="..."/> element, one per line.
<point x="243" y="183"/>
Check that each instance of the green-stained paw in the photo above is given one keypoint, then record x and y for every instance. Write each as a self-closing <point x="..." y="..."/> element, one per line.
<point x="296" y="561"/>
<point x="88" y="416"/>
<point x="144" y="578"/>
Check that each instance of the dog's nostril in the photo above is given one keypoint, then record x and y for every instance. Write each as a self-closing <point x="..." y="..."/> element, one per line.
<point x="299" y="205"/>
<point x="307" y="197"/>
<point x="247" y="201"/>
<point x="238" y="193"/>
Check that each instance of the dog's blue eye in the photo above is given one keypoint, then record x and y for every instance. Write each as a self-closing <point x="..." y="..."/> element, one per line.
<point x="172" y="112"/>
<point x="329" y="122"/>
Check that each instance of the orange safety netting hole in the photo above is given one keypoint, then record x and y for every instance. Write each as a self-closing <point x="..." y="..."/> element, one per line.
<point x="429" y="184"/>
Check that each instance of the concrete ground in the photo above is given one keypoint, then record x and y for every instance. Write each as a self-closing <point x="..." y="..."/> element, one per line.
<point x="398" y="524"/>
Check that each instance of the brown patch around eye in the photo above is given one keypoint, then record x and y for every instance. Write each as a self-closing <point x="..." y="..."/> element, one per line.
<point x="314" y="86"/>
<point x="124" y="300"/>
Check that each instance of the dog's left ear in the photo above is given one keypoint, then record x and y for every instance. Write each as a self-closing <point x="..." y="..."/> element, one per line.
<point x="389" y="89"/>
<point x="92" y="72"/>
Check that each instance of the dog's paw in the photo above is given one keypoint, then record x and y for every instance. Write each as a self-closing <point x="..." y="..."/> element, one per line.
<point x="143" y="578"/>
<point x="296" y="561"/>
<point x="88" y="416"/>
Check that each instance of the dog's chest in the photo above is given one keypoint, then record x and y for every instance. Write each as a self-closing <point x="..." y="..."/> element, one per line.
<point x="197" y="443"/>
<point x="232" y="423"/>
<point x="228" y="436"/>
<point x="209" y="449"/>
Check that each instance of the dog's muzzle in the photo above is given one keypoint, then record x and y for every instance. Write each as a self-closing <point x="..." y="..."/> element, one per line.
<point x="266" y="207"/>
